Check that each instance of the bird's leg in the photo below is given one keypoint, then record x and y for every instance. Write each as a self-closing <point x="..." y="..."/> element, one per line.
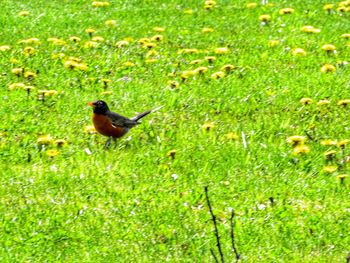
<point x="108" y="142"/>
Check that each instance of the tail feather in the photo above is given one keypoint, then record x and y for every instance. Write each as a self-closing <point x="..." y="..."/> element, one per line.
<point x="143" y="114"/>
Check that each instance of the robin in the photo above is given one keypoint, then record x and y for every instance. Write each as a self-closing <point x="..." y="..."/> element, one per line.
<point x="111" y="124"/>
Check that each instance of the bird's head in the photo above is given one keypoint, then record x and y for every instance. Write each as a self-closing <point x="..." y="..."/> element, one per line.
<point x="99" y="106"/>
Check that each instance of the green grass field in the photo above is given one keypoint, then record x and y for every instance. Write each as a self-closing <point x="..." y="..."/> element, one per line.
<point x="254" y="107"/>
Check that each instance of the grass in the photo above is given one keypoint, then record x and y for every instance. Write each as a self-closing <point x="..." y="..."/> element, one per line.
<point x="136" y="203"/>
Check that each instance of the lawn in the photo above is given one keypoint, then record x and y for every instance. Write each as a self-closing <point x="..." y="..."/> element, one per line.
<point x="255" y="106"/>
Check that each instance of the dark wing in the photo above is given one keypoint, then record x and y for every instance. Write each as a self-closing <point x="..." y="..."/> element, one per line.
<point x="120" y="121"/>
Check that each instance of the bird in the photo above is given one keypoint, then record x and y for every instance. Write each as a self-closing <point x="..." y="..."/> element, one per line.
<point x="112" y="124"/>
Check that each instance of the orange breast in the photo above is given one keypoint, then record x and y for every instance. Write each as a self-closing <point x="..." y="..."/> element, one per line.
<point x="104" y="126"/>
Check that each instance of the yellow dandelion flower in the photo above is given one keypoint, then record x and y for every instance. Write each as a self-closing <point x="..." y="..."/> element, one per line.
<point x="330" y="169"/>
<point x="187" y="74"/>
<point x="328" y="47"/>
<point x="265" y="18"/>
<point x="188" y="51"/>
<point x="151" y="60"/>
<point x="208" y="126"/>
<point x="29" y="51"/>
<point x="346" y="36"/>
<point x="106" y="81"/>
<point x="52" y="153"/>
<point x="298" y="52"/>
<point x="81" y="66"/>
<point x="323" y="102"/>
<point x="17" y="71"/>
<point x="342" y="177"/>
<point x="328" y="7"/>
<point x="29" y="88"/>
<point x="122" y="43"/>
<point x="310" y="29"/>
<point x="100" y="4"/>
<point x="48" y="93"/>
<point x="328" y="142"/>
<point x="157" y="38"/>
<point x="16" y="86"/>
<point x="196" y="61"/>
<point x="210" y="2"/>
<point x="301" y="149"/>
<point x="106" y="92"/>
<point x="97" y="39"/>
<point x="60" y="142"/>
<point x="200" y="70"/>
<point x="228" y="67"/>
<point x="24" y="13"/>
<point x="75" y="39"/>
<point x="343" y="143"/>
<point x="91" y="44"/>
<point x="221" y="50"/>
<point x="328" y="68"/>
<point x="4" y="48"/>
<point x="90" y="31"/>
<point x="330" y="154"/>
<point x="343" y="103"/>
<point x="159" y="29"/>
<point x="188" y="11"/>
<point x="173" y="83"/>
<point x="171" y="154"/>
<point x="30" y="41"/>
<point x="251" y="5"/>
<point x="232" y="136"/>
<point x="286" y="11"/>
<point x="210" y="59"/>
<point x="305" y="101"/>
<point x="296" y="140"/>
<point x="111" y="23"/>
<point x="273" y="43"/>
<point x="207" y="30"/>
<point x="128" y="64"/>
<point x="30" y="75"/>
<point x="44" y="140"/>
<point x="218" y="75"/>
<point x="149" y="45"/>
<point x="90" y="129"/>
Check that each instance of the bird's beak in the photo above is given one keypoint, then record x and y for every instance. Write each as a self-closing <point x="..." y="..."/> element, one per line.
<point x="91" y="104"/>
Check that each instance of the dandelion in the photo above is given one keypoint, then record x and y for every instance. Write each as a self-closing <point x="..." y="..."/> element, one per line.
<point x="187" y="74"/>
<point x="328" y="142"/>
<point x="323" y="102"/>
<point x="328" y="68"/>
<point x="90" y="31"/>
<point x="44" y="140"/>
<point x="151" y="60"/>
<point x="305" y="101"/>
<point x="60" y="142"/>
<point x="232" y="136"/>
<point x="298" y="52"/>
<point x="329" y="155"/>
<point x="346" y="36"/>
<point x="111" y="23"/>
<point x="329" y="48"/>
<point x="90" y="129"/>
<point x="14" y="86"/>
<point x="4" y="48"/>
<point x="106" y="92"/>
<point x="30" y="41"/>
<point x="171" y="154"/>
<point x="47" y="93"/>
<point x="296" y="140"/>
<point x="158" y="29"/>
<point x="310" y="29"/>
<point x="286" y="11"/>
<point x="157" y="38"/>
<point x="210" y="59"/>
<point x="24" y="13"/>
<point x="122" y="43"/>
<point x="328" y="7"/>
<point x="228" y="68"/>
<point x="207" y="30"/>
<point x="342" y="144"/>
<point x="17" y="71"/>
<point x="97" y="39"/>
<point x="173" y="83"/>
<point x="196" y="61"/>
<point x="91" y="44"/>
<point x="129" y="64"/>
<point x="57" y="41"/>
<point x="265" y="18"/>
<point x="75" y="39"/>
<point x="342" y="177"/>
<point x="330" y="169"/>
<point x="208" y="126"/>
<point x="100" y="4"/>
<point x="221" y="50"/>
<point x="30" y="75"/>
<point x="52" y="153"/>
<point x="343" y="103"/>
<point x="273" y="43"/>
<point x="200" y="70"/>
<point x="29" y="51"/>
<point x="251" y="5"/>
<point x="188" y="51"/>
<point x="188" y="11"/>
<point x="218" y="75"/>
<point x="301" y="149"/>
